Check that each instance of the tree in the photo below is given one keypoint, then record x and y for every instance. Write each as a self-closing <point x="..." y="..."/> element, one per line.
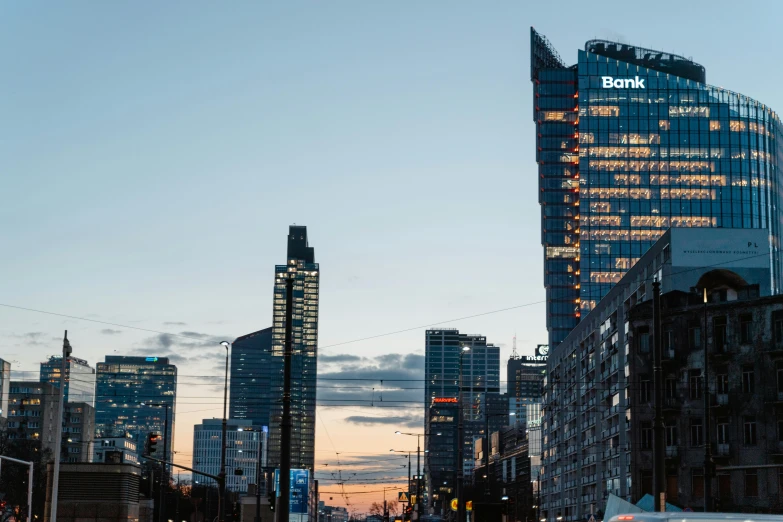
<point x="393" y="507"/>
<point x="376" y="508"/>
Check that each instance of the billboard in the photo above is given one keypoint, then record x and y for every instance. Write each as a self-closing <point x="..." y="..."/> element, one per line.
<point x="300" y="490"/>
<point x="720" y="247"/>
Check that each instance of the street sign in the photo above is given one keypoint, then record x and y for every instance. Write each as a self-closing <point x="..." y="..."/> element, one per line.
<point x="591" y="518"/>
<point x="469" y="505"/>
<point x="454" y="504"/>
<point x="402" y="497"/>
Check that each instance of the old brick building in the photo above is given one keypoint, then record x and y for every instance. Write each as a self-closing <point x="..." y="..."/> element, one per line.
<point x="745" y="346"/>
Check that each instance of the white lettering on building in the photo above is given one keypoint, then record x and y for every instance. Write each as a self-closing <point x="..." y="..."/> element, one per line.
<point x="607" y="82"/>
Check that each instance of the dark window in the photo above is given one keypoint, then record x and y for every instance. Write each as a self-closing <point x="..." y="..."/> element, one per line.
<point x="694" y="337"/>
<point x="780" y="482"/>
<point x="671" y="436"/>
<point x="780" y="431"/>
<point x="672" y="489"/>
<point x="668" y="340"/>
<point x="748" y="382"/>
<point x="644" y="342"/>
<point x="777" y="325"/>
<point x="645" y="391"/>
<point x="722" y="383"/>
<point x="719" y="334"/>
<point x="724" y="485"/>
<point x="671" y="388"/>
<point x="751" y="483"/>
<point x="697" y="482"/>
<point x="647" y="435"/>
<point x="697" y="432"/>
<point x="723" y="430"/>
<point x="750" y="431"/>
<point x="780" y="380"/>
<point x="746" y="328"/>
<point x="694" y="383"/>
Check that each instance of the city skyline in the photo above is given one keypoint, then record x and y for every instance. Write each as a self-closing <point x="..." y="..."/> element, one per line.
<point x="155" y="195"/>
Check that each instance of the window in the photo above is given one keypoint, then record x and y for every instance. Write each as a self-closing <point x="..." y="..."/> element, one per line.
<point x="644" y="342"/>
<point x="750" y="431"/>
<point x="747" y="379"/>
<point x="722" y="383"/>
<point x="672" y="488"/>
<point x="668" y="339"/>
<point x="694" y="384"/>
<point x="671" y="436"/>
<point x="746" y="328"/>
<point x="777" y="325"/>
<point x="724" y="485"/>
<point x="723" y="430"/>
<point x="697" y="482"/>
<point x="645" y="394"/>
<point x="694" y="337"/>
<point x="780" y="380"/>
<point x="671" y="388"/>
<point x="780" y="431"/>
<point x="719" y="334"/>
<point x="647" y="435"/>
<point x="697" y="433"/>
<point x="751" y="483"/>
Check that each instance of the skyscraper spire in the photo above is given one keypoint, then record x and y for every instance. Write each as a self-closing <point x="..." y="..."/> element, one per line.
<point x="514" y="354"/>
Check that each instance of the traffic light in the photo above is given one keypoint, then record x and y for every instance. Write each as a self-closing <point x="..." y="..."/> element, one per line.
<point x="272" y="499"/>
<point x="152" y="444"/>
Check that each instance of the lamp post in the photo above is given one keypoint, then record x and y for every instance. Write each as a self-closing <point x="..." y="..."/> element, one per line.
<point x="409" y="471"/>
<point x="222" y="496"/>
<point x="460" y="443"/>
<point x="418" y="469"/>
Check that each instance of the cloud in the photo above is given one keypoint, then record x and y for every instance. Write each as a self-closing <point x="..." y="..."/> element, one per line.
<point x="109" y="331"/>
<point x="390" y="378"/>
<point x="187" y="340"/>
<point x="407" y="420"/>
<point x="338" y="358"/>
<point x="33" y="338"/>
<point x="175" y="323"/>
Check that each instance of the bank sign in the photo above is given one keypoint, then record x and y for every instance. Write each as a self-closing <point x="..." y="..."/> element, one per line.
<point x="300" y="490"/>
<point x="608" y="82"/>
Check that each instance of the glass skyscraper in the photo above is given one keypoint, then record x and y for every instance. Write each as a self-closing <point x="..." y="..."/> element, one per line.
<point x="480" y="379"/>
<point x="79" y="378"/>
<point x="127" y="389"/>
<point x="630" y="142"/>
<point x="253" y="370"/>
<point x="301" y="266"/>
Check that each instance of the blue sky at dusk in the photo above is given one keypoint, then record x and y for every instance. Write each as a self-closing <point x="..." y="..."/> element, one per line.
<point x="154" y="154"/>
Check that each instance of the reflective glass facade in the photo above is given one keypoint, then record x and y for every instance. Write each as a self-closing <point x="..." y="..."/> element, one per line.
<point x="125" y="387"/>
<point x="79" y="378"/>
<point x="631" y="142"/>
<point x="252" y="371"/>
<point x="306" y="273"/>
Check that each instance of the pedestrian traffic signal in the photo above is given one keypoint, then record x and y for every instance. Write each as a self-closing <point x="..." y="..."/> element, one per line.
<point x="271" y="498"/>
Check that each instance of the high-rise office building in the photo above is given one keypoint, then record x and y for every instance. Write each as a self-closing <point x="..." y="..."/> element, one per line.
<point x="79" y="378"/>
<point x="525" y="385"/>
<point x="32" y="410"/>
<point x="129" y="394"/>
<point x="480" y="387"/>
<point x="245" y="444"/>
<point x="253" y="371"/>
<point x="630" y="142"/>
<point x="5" y="390"/>
<point x="301" y="266"/>
<point x="78" y="432"/>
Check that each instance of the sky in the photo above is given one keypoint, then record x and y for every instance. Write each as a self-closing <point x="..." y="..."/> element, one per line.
<point x="154" y="155"/>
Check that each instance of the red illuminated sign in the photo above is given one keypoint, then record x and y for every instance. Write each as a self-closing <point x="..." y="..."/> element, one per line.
<point x="444" y="400"/>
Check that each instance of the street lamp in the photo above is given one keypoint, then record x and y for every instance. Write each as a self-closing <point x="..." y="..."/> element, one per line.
<point x="222" y="497"/>
<point x="418" y="468"/>
<point x="460" y="443"/>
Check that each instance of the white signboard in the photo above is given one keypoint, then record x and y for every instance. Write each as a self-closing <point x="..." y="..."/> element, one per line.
<point x="720" y="247"/>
